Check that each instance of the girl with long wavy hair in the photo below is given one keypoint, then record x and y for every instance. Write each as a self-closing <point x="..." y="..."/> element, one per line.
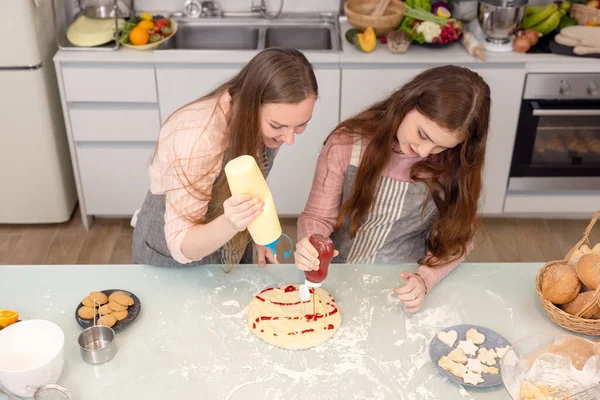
<point x="189" y="216"/>
<point x="400" y="181"/>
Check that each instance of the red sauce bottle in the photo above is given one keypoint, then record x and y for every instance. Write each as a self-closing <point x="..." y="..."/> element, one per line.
<point x="324" y="246"/>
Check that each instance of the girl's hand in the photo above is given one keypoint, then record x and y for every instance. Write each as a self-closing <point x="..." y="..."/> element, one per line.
<point x="307" y="257"/>
<point x="265" y="256"/>
<point x="412" y="293"/>
<point x="241" y="210"/>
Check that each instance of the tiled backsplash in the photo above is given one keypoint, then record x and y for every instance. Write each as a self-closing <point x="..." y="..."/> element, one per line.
<point x="244" y="5"/>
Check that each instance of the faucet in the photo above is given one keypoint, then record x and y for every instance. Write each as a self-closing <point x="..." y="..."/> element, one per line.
<point x="210" y="9"/>
<point x="195" y="9"/>
<point x="262" y="9"/>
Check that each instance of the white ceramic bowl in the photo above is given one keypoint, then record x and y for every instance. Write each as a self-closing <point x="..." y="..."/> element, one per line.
<point x="31" y="355"/>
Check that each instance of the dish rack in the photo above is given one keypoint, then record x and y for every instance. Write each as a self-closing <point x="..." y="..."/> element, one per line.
<point x="67" y="11"/>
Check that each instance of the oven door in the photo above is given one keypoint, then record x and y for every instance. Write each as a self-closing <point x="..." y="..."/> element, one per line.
<point x="557" y="146"/>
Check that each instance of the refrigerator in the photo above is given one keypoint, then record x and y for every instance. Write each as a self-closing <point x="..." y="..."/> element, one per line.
<point x="36" y="177"/>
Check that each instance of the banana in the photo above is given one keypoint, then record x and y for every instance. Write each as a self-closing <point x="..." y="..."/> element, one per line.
<point x="565" y="5"/>
<point x="529" y="10"/>
<point x="538" y="17"/>
<point x="549" y="24"/>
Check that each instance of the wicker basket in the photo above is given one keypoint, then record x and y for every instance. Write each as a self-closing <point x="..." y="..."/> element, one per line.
<point x="585" y="14"/>
<point x="359" y="12"/>
<point x="573" y="323"/>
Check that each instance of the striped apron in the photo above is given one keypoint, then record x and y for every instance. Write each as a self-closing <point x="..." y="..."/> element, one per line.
<point x="395" y="230"/>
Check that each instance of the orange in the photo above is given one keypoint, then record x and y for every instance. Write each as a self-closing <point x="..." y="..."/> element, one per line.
<point x="8" y="317"/>
<point x="146" y="24"/>
<point x="139" y="36"/>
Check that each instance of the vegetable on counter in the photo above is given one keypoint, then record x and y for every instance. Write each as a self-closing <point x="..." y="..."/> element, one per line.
<point x="422" y="15"/>
<point x="430" y="30"/>
<point x="441" y="9"/>
<point x="407" y="25"/>
<point x="532" y="36"/>
<point x="363" y="41"/>
<point x="424" y="27"/>
<point x="525" y="40"/>
<point x="521" y="44"/>
<point x="420" y="4"/>
<point x="398" y="41"/>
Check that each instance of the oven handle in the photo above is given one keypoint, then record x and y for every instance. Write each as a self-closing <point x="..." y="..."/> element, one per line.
<point x="540" y="112"/>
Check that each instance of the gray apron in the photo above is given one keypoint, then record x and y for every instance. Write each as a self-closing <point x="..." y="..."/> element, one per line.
<point x="395" y="230"/>
<point x="149" y="241"/>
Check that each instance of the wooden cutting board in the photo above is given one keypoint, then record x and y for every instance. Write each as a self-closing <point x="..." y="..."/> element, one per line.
<point x="91" y="32"/>
<point x="568" y="51"/>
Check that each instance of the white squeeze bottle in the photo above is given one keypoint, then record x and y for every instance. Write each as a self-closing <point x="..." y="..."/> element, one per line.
<point x="245" y="178"/>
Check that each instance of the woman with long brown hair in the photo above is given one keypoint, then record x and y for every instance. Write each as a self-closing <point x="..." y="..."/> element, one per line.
<point x="189" y="216"/>
<point x="400" y="181"/>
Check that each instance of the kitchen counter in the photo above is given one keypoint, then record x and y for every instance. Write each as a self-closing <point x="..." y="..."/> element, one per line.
<point x="349" y="56"/>
<point x="457" y="54"/>
<point x="175" y="56"/>
<point x="191" y="339"/>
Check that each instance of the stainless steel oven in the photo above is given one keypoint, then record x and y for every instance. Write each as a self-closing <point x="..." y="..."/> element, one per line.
<point x="557" y="146"/>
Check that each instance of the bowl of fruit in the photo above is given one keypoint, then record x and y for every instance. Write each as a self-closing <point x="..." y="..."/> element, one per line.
<point x="430" y="25"/>
<point x="147" y="31"/>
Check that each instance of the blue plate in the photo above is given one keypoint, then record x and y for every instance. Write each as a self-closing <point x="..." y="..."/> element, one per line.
<point x="437" y="350"/>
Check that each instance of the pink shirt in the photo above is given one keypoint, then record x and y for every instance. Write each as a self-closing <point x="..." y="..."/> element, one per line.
<point x="322" y="209"/>
<point x="191" y="142"/>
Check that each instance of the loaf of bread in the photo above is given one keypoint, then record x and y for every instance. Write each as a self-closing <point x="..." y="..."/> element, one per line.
<point x="596" y="249"/>
<point x="580" y="303"/>
<point x="588" y="270"/>
<point x="560" y="284"/>
<point x="574" y="259"/>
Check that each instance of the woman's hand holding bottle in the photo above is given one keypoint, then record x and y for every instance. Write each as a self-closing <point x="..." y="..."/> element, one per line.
<point x="241" y="210"/>
<point x="306" y="256"/>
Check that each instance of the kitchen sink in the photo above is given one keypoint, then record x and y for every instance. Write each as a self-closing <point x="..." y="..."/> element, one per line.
<point x="201" y="37"/>
<point x="237" y="33"/>
<point x="301" y="38"/>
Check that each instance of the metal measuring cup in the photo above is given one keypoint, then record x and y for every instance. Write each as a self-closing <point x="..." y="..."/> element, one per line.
<point x="45" y="392"/>
<point x="97" y="343"/>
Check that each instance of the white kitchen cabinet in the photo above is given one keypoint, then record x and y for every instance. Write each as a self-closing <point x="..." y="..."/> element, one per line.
<point x="114" y="122"/>
<point x="112" y="119"/>
<point x="363" y="85"/>
<point x="114" y="176"/>
<point x="99" y="82"/>
<point x="366" y="85"/>
<point x="290" y="179"/>
<point x="179" y="84"/>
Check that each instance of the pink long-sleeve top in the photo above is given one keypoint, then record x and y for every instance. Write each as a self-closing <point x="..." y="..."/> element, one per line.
<point x="190" y="147"/>
<point x="324" y="203"/>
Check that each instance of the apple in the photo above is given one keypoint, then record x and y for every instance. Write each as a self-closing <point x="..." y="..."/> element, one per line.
<point x="593" y="3"/>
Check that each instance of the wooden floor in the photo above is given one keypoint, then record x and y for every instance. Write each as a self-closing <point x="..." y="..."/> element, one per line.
<point x="109" y="241"/>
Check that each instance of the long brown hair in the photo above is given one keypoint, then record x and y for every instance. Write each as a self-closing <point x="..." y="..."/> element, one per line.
<point x="275" y="75"/>
<point x="456" y="99"/>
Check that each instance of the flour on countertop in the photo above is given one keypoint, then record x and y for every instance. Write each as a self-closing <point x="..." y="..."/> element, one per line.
<point x="370" y="279"/>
